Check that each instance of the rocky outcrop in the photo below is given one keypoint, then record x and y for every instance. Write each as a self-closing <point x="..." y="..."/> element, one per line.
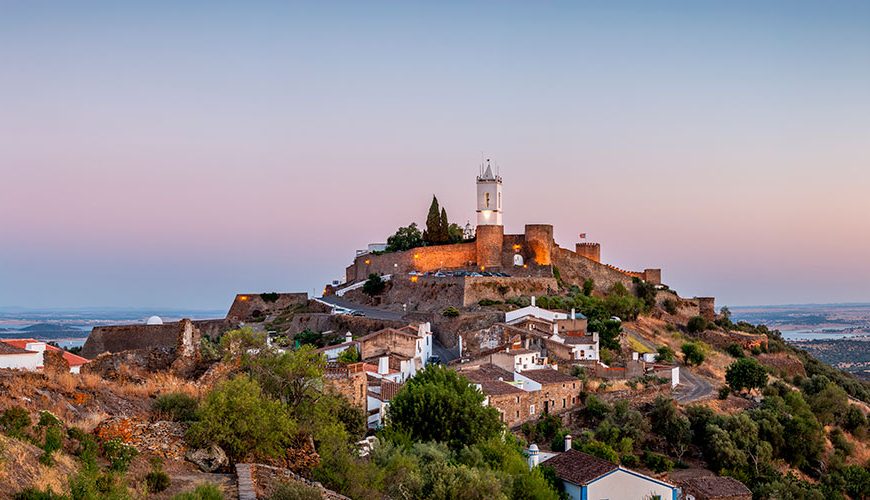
<point x="208" y="459"/>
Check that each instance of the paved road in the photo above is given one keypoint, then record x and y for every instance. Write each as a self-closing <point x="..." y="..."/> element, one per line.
<point x="370" y="312"/>
<point x="693" y="387"/>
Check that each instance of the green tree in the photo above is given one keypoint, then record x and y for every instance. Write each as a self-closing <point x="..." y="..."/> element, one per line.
<point x="375" y="285"/>
<point x="349" y="355"/>
<point x="444" y="227"/>
<point x="405" y="238"/>
<point x="455" y="233"/>
<point x="693" y="353"/>
<point x="241" y="342"/>
<point x="440" y="405"/>
<point x="588" y="286"/>
<point x="435" y="233"/>
<point x="239" y="418"/>
<point x="671" y="425"/>
<point x="665" y="354"/>
<point x="696" y="324"/>
<point x="746" y="373"/>
<point x="292" y="377"/>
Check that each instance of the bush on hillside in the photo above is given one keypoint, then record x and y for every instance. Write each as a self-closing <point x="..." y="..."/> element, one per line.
<point x="670" y="306"/>
<point x="239" y="418"/>
<point x="15" y="422"/>
<point x="696" y="324"/>
<point x="693" y="353"/>
<point x="374" y="285"/>
<point x="451" y="312"/>
<point x="176" y="406"/>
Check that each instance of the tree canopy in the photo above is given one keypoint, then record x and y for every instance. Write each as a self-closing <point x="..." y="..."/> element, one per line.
<point x="440" y="405"/>
<point x="746" y="373"/>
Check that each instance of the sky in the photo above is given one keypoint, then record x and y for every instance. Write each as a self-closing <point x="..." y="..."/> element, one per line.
<point x="172" y="154"/>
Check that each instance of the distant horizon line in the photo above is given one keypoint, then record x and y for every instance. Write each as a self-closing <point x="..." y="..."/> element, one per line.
<point x="15" y="309"/>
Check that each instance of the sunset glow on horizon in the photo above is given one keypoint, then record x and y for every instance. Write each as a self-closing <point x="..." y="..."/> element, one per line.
<point x="166" y="155"/>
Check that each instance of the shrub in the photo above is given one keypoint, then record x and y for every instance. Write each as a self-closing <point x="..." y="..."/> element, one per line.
<point x="597" y="449"/>
<point x="119" y="454"/>
<point x="734" y="350"/>
<point x="588" y="286"/>
<point x="269" y="297"/>
<point x="696" y="324"/>
<point x="451" y="312"/>
<point x="176" y="406"/>
<point x="37" y="494"/>
<point x="665" y="354"/>
<point x="349" y="355"/>
<point x="239" y="418"/>
<point x="488" y="302"/>
<point x="53" y="442"/>
<point x="15" y="421"/>
<point x="157" y="479"/>
<point x="201" y="492"/>
<point x="657" y="462"/>
<point x="670" y="306"/>
<point x="724" y="392"/>
<point x="375" y="285"/>
<point x="693" y="353"/>
<point x="630" y="460"/>
<point x="295" y="491"/>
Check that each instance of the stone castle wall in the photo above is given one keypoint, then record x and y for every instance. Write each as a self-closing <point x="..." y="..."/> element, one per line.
<point x="422" y="259"/>
<point x="120" y="338"/>
<point x="489" y="244"/>
<point x="591" y="251"/>
<point x="248" y="306"/>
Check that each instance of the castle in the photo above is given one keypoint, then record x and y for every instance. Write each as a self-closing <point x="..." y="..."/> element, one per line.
<point x="531" y="254"/>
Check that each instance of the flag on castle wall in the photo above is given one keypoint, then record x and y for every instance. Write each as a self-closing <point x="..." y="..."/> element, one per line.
<point x="582" y="236"/>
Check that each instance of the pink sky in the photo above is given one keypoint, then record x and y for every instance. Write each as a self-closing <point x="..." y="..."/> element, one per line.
<point x="157" y="161"/>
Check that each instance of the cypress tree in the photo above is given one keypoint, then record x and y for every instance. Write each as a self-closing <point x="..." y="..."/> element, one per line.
<point x="444" y="228"/>
<point x="433" y="223"/>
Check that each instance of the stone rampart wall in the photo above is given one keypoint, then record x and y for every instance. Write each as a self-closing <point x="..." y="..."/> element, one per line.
<point x="248" y="306"/>
<point x="423" y="259"/>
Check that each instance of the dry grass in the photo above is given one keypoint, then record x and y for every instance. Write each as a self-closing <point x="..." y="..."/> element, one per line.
<point x="21" y="468"/>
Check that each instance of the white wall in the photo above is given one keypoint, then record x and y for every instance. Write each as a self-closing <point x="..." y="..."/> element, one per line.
<point x="24" y="361"/>
<point x="624" y="485"/>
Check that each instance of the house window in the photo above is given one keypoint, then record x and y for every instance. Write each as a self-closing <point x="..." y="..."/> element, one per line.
<point x="573" y="385"/>
<point x="518" y="399"/>
<point x="573" y="400"/>
<point x="531" y="409"/>
<point x="564" y="402"/>
<point x="518" y="413"/>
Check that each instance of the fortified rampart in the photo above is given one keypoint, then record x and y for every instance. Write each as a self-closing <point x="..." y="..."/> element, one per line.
<point x="120" y="338"/>
<point x="256" y="306"/>
<point x="528" y="255"/>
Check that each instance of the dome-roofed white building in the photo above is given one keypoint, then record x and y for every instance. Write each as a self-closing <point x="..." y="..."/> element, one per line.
<point x="154" y="320"/>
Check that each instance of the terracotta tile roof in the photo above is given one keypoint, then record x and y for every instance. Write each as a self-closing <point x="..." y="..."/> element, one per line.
<point x="71" y="359"/>
<point x="717" y="486"/>
<point x="7" y="348"/>
<point x="498" y="388"/>
<point x="386" y="331"/>
<point x="548" y="376"/>
<point x="486" y="372"/>
<point x="389" y="389"/>
<point x="579" y="468"/>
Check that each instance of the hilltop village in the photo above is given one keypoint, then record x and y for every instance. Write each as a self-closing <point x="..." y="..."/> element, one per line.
<point x="451" y="363"/>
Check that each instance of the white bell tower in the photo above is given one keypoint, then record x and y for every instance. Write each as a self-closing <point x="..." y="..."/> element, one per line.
<point x="488" y="197"/>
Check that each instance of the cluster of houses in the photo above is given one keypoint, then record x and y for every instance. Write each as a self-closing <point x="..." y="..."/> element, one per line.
<point x="34" y="355"/>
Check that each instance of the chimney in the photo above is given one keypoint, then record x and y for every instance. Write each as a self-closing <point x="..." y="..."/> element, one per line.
<point x="634" y="356"/>
<point x="533" y="456"/>
<point x="573" y="314"/>
<point x="348" y="337"/>
<point x="533" y="301"/>
<point x="567" y="442"/>
<point x="383" y="365"/>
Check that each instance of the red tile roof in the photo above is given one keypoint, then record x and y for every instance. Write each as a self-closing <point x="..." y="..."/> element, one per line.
<point x="71" y="359"/>
<point x="6" y="348"/>
<point x="579" y="468"/>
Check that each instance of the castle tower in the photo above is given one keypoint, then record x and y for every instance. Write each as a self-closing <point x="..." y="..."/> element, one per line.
<point x="488" y="198"/>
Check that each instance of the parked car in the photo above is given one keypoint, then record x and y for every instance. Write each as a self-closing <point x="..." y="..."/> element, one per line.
<point x="357" y="313"/>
